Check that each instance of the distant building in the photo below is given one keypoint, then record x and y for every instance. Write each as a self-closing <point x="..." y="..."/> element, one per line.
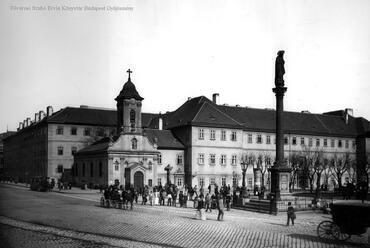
<point x="3" y="136"/>
<point x="203" y="141"/>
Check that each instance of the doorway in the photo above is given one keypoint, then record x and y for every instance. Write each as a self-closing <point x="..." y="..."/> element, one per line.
<point x="138" y="180"/>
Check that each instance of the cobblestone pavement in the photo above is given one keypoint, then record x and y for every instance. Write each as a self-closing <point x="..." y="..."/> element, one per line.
<point x="79" y="217"/>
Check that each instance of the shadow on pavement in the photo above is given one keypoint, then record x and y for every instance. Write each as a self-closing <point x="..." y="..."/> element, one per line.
<point x="323" y="240"/>
<point x="277" y="224"/>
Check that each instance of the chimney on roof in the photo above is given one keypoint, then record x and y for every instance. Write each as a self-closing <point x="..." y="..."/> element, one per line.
<point x="49" y="110"/>
<point x="347" y="112"/>
<point x="189" y="98"/>
<point x="160" y="123"/>
<point x="215" y="98"/>
<point x="305" y="112"/>
<point x="41" y="115"/>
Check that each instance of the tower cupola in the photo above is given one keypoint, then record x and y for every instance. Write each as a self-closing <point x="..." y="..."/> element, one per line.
<point x="129" y="108"/>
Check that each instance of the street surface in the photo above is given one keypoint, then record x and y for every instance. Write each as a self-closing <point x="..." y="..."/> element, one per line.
<point x="73" y="218"/>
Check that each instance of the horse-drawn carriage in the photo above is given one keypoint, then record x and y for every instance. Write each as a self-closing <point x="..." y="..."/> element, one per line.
<point x="348" y="219"/>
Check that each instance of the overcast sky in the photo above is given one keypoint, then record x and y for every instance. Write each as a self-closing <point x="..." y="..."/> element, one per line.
<point x="179" y="49"/>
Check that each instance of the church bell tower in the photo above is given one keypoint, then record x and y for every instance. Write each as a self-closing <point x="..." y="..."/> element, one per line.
<point x="129" y="108"/>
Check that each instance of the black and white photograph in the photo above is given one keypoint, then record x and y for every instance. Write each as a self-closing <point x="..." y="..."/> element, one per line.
<point x="184" y="123"/>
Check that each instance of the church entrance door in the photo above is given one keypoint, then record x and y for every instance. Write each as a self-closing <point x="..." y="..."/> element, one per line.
<point x="138" y="180"/>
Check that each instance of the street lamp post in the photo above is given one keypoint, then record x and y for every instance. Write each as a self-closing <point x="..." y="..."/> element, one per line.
<point x="244" y="167"/>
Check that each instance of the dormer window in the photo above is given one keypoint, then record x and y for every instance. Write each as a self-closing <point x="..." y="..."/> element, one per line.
<point x="134" y="144"/>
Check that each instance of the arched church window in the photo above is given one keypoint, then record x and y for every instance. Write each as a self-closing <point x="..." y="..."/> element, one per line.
<point x="132" y="119"/>
<point x="134" y="144"/>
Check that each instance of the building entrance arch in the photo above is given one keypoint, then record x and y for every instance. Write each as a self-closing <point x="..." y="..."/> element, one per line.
<point x="138" y="180"/>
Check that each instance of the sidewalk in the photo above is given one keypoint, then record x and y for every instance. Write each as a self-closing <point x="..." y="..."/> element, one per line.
<point x="73" y="190"/>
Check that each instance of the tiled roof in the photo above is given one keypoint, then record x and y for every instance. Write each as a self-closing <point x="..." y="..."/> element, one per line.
<point x="294" y="122"/>
<point x="201" y="111"/>
<point x="98" y="146"/>
<point x="163" y="138"/>
<point x="91" y="116"/>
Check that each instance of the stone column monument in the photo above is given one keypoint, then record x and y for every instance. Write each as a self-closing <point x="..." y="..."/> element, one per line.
<point x="280" y="172"/>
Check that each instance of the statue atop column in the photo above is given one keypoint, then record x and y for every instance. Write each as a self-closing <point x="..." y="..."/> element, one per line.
<point x="168" y="168"/>
<point x="279" y="69"/>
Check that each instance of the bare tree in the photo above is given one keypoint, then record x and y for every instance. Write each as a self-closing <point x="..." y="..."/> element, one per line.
<point x="294" y="159"/>
<point x="321" y="164"/>
<point x="338" y="166"/>
<point x="263" y="163"/>
<point x="352" y="170"/>
<point x="308" y="165"/>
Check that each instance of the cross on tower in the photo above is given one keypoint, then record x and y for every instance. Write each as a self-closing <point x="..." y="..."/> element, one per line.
<point x="129" y="73"/>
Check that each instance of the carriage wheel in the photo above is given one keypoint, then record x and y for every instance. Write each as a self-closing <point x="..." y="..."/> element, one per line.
<point x="325" y="230"/>
<point x="338" y="235"/>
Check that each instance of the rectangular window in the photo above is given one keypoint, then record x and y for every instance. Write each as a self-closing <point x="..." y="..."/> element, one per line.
<point x="100" y="132"/>
<point x="317" y="142"/>
<point x="223" y="181"/>
<point x="286" y="140"/>
<point x="268" y="139"/>
<point x="233" y="136"/>
<point x="179" y="182"/>
<point x="73" y="150"/>
<point x="294" y="141"/>
<point x="100" y="169"/>
<point x="235" y="182"/>
<point x="223" y="160"/>
<point x="179" y="159"/>
<point x="250" y="137"/>
<point x="332" y="143"/>
<point x="201" y="134"/>
<point x="310" y="142"/>
<point x="83" y="169"/>
<point x="60" y="150"/>
<point x="223" y="135"/>
<point x="212" y="159"/>
<point x="150" y="182"/>
<point x="91" y="169"/>
<point x="233" y="159"/>
<point x="250" y="183"/>
<point x="200" y="158"/>
<point x="325" y="142"/>
<point x="116" y="167"/>
<point x="159" y="181"/>
<point x="339" y="143"/>
<point x="212" y="135"/>
<point x="259" y="138"/>
<point x="201" y="181"/>
<point x="60" y="130"/>
<point x="73" y="130"/>
<point x="212" y="181"/>
<point x="60" y="168"/>
<point x="87" y="131"/>
<point x="302" y="141"/>
<point x="159" y="157"/>
<point x="347" y="143"/>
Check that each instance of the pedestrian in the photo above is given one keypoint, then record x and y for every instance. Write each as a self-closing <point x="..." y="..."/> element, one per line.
<point x="181" y="199"/>
<point x="200" y="209"/>
<point x="169" y="199"/>
<point x="174" y="197"/>
<point x="220" y="207"/>
<point x="208" y="201"/>
<point x="151" y="198"/>
<point x="290" y="214"/>
<point x="228" y="201"/>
